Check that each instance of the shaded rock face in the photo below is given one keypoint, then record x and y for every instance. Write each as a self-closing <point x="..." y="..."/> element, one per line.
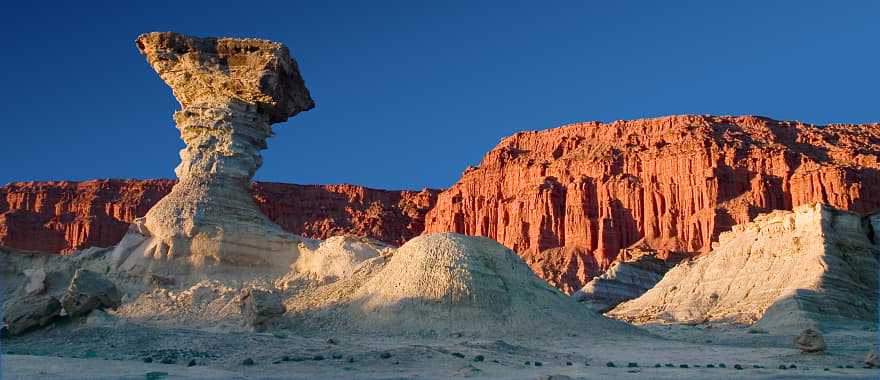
<point x="568" y="199"/>
<point x="29" y="313"/>
<point x="89" y="290"/>
<point x="63" y="217"/>
<point x="636" y="270"/>
<point x="231" y="91"/>
<point x="784" y="272"/>
<point x="259" y="307"/>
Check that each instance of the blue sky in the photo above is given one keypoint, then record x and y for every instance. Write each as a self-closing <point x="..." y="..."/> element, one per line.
<point x="409" y="93"/>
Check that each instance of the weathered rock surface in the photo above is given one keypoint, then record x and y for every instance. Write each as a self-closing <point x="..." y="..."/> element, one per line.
<point x="89" y="290"/>
<point x="810" y="341"/>
<point x="568" y="199"/>
<point x="338" y="257"/>
<point x="36" y="281"/>
<point x="63" y="217"/>
<point x="447" y="283"/>
<point x="636" y="270"/>
<point x="785" y="271"/>
<point x="231" y="91"/>
<point x="29" y="313"/>
<point x="258" y="307"/>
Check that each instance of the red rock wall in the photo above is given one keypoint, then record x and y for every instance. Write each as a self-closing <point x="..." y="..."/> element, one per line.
<point x="569" y="199"/>
<point x="66" y="216"/>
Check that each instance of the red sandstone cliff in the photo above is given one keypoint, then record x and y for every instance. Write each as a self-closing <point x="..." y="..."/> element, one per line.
<point x="568" y="199"/>
<point x="67" y="216"/>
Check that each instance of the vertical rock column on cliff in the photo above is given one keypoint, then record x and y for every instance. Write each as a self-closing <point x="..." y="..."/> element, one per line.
<point x="230" y="91"/>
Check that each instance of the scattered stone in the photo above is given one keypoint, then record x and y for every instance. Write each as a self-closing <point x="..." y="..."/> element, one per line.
<point x="810" y="341"/>
<point x="332" y="341"/>
<point x="318" y="357"/>
<point x="192" y="363"/>
<point x="156" y="375"/>
<point x="479" y="358"/>
<point x="458" y="354"/>
<point x="30" y="313"/>
<point x="162" y="281"/>
<point x="737" y="366"/>
<point x="248" y="361"/>
<point x="632" y="365"/>
<point x="609" y="364"/>
<point x="871" y="359"/>
<point x="387" y="355"/>
<point x="89" y="290"/>
<point x="259" y="307"/>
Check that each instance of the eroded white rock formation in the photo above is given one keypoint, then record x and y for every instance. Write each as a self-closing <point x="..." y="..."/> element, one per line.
<point x="230" y="91"/>
<point x="637" y="270"/>
<point x="786" y="270"/>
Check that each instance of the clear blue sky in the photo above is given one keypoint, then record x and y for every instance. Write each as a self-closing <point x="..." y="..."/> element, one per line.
<point x="409" y="93"/>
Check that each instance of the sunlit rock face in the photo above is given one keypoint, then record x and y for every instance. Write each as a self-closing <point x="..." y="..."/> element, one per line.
<point x="231" y="91"/>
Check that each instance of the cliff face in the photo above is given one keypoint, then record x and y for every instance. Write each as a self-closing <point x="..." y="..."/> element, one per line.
<point x="569" y="199"/>
<point x="67" y="216"/>
<point x="792" y="269"/>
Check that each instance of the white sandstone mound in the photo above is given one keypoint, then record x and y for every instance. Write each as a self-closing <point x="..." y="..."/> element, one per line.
<point x="447" y="283"/>
<point x="785" y="271"/>
<point x="338" y="257"/>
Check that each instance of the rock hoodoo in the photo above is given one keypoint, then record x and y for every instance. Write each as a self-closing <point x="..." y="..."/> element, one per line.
<point x="231" y="91"/>
<point x="784" y="272"/>
<point x="569" y="199"/>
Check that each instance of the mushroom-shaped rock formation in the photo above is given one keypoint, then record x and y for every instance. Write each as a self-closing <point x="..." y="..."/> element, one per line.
<point x="230" y="91"/>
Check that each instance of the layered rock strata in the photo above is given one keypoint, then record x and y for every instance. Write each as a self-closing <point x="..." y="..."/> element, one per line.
<point x="785" y="271"/>
<point x="569" y="199"/>
<point x="63" y="217"/>
<point x="636" y="270"/>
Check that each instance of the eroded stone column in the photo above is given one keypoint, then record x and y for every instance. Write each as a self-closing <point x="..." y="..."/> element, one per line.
<point x="231" y="91"/>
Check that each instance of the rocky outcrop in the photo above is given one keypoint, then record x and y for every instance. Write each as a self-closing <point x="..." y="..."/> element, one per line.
<point x="568" y="199"/>
<point x="89" y="290"/>
<point x="231" y="91"/>
<point x="30" y="313"/>
<point x="62" y="217"/>
<point x="636" y="270"/>
<point x="785" y="271"/>
<point x="259" y="307"/>
<point x="810" y="341"/>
